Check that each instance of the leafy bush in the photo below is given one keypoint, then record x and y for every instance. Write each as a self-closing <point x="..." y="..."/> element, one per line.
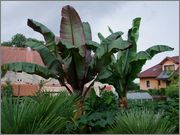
<point x="172" y="91"/>
<point x="157" y="92"/>
<point x="50" y="115"/>
<point x="7" y="90"/>
<point x="140" y="122"/>
<point x="106" y="101"/>
<point x="170" y="109"/>
<point x="19" y="41"/>
<point x="133" y="86"/>
<point x="98" y="112"/>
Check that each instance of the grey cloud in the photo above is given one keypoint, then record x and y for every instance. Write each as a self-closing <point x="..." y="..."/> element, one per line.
<point x="160" y="20"/>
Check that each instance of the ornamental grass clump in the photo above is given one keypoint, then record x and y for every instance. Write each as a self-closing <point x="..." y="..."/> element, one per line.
<point x="50" y="115"/>
<point x="136" y="121"/>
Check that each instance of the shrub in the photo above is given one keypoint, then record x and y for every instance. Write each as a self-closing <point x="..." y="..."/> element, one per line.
<point x="7" y="90"/>
<point x="172" y="91"/>
<point x="106" y="101"/>
<point x="98" y="112"/>
<point x="133" y="86"/>
<point x="157" y="92"/>
<point x="170" y="109"/>
<point x="50" y="115"/>
<point x="137" y="121"/>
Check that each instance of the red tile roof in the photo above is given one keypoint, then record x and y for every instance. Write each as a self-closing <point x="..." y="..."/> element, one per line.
<point x="15" y="54"/>
<point x="157" y="69"/>
<point x="151" y="72"/>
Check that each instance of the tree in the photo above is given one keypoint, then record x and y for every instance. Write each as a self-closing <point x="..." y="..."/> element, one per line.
<point x="129" y="63"/>
<point x="69" y="60"/>
<point x="19" y="40"/>
<point x="8" y="43"/>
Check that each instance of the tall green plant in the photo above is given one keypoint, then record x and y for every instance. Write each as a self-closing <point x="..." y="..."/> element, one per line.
<point x="70" y="58"/>
<point x="130" y="62"/>
<point x="7" y="90"/>
<point x="50" y="114"/>
<point x="141" y="122"/>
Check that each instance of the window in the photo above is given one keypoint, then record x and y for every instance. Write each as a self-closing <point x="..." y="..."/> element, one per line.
<point x="169" y="67"/>
<point x="159" y="82"/>
<point x="19" y="80"/>
<point x="147" y="83"/>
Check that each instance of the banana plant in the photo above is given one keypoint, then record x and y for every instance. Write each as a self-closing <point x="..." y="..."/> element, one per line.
<point x="129" y="63"/>
<point x="69" y="59"/>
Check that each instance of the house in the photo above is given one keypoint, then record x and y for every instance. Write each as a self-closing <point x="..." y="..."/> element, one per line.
<point x="157" y="77"/>
<point x="24" y="84"/>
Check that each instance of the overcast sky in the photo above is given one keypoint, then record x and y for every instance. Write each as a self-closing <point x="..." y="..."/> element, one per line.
<point x="159" y="25"/>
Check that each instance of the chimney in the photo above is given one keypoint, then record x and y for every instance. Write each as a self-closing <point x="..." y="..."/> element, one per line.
<point x="29" y="55"/>
<point x="28" y="48"/>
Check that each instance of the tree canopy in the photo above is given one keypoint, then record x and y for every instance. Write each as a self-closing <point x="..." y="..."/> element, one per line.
<point x="19" y="40"/>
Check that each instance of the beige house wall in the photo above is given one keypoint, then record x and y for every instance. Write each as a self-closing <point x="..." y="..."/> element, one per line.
<point x="153" y="84"/>
<point x="153" y="81"/>
<point x="24" y="78"/>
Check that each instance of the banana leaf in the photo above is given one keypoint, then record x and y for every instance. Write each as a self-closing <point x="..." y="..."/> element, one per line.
<point x="92" y="45"/>
<point x="119" y="44"/>
<point x="51" y="62"/>
<point x="28" y="68"/>
<point x="133" y="33"/>
<point x="87" y="31"/>
<point x="48" y="34"/>
<point x="101" y="37"/>
<point x="141" y="58"/>
<point x="110" y="30"/>
<point x="88" y="36"/>
<point x="103" y="48"/>
<point x="71" y="28"/>
<point x="74" y="32"/>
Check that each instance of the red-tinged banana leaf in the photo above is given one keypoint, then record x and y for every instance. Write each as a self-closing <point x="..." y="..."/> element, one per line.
<point x="28" y="68"/>
<point x="75" y="70"/>
<point x="71" y="28"/>
<point x="88" y="36"/>
<point x="48" y="35"/>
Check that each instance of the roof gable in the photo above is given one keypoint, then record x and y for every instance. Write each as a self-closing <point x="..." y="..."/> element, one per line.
<point x="174" y="59"/>
<point x="157" y="69"/>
